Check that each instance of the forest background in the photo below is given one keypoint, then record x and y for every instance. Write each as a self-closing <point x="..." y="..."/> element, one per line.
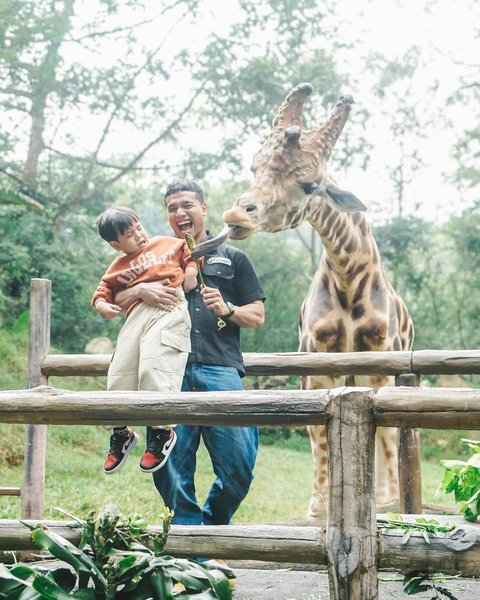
<point x="104" y="101"/>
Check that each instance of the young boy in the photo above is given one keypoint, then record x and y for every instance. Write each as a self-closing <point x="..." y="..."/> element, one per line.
<point x="153" y="344"/>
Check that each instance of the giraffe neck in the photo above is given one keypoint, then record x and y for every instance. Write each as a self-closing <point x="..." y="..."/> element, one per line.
<point x="350" y="248"/>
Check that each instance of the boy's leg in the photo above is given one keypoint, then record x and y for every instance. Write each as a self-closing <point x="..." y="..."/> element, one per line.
<point x="160" y="443"/>
<point x="163" y="356"/>
<point x="123" y="375"/>
<point x="122" y="441"/>
<point x="164" y="348"/>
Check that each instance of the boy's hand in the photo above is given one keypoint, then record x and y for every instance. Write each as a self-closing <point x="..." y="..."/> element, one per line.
<point x="106" y="310"/>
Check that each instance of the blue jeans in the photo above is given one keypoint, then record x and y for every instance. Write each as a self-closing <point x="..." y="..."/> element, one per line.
<point x="232" y="450"/>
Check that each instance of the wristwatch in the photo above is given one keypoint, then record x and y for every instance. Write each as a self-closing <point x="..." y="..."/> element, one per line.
<point x="231" y="309"/>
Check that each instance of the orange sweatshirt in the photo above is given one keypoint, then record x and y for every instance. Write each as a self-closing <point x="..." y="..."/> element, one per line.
<point x="161" y="258"/>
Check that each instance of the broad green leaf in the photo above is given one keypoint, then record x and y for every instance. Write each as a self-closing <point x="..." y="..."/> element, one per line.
<point x="132" y="571"/>
<point x="219" y="583"/>
<point x="49" y="589"/>
<point x="453" y="464"/>
<point x="406" y="536"/>
<point x="394" y="516"/>
<point x="13" y="580"/>
<point x="188" y="581"/>
<point x="162" y="585"/>
<point x="19" y="571"/>
<point x="66" y="551"/>
<point x="474" y="461"/>
<point x="450" y="481"/>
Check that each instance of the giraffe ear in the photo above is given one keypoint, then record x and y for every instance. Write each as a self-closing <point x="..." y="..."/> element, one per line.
<point x="342" y="200"/>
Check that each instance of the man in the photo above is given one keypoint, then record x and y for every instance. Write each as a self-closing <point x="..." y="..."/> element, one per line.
<point x="232" y="298"/>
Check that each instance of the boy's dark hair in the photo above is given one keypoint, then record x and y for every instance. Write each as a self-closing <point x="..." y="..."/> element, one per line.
<point x="185" y="185"/>
<point x="115" y="221"/>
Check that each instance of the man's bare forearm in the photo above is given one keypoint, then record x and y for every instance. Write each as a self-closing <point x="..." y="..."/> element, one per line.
<point x="125" y="298"/>
<point x="154" y="293"/>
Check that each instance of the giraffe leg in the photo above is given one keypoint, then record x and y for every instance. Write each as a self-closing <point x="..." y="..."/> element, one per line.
<point x="386" y="451"/>
<point x="317" y="508"/>
<point x="386" y="466"/>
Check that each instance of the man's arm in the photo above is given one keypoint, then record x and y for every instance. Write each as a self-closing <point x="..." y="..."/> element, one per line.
<point x="154" y="293"/>
<point x="250" y="315"/>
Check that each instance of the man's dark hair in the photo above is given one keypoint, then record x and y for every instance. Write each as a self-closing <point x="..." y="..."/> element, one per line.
<point x="185" y="185"/>
<point x="115" y="221"/>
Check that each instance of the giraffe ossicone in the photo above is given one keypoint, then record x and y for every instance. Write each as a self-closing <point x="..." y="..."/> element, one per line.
<point x="351" y="306"/>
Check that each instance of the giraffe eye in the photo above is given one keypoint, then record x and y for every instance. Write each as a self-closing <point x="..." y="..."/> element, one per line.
<point x="309" y="188"/>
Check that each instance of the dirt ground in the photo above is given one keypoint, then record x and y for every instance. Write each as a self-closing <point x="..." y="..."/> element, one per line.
<point x="290" y="584"/>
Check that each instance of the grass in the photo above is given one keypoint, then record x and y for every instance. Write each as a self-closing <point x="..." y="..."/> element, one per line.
<point x="75" y="480"/>
<point x="76" y="483"/>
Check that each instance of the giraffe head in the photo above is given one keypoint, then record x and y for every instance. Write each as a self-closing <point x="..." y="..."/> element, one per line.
<point x="290" y="172"/>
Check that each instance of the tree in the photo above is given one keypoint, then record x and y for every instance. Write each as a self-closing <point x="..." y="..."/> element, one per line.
<point x="57" y="69"/>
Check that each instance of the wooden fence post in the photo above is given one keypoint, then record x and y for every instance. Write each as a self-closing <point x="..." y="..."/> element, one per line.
<point x="409" y="460"/>
<point x="351" y="522"/>
<point x="33" y="485"/>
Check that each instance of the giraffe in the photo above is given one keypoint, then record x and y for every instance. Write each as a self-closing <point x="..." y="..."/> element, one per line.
<point x="350" y="306"/>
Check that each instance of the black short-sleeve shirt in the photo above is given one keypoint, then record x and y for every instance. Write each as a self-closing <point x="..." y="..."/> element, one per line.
<point x="228" y="269"/>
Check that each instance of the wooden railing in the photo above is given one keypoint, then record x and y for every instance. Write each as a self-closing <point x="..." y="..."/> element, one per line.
<point x="351" y="545"/>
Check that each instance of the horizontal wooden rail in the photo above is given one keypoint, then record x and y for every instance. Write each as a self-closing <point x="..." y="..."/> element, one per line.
<point x="430" y="408"/>
<point x="52" y="406"/>
<point x="425" y="362"/>
<point x="433" y="408"/>
<point x="10" y="491"/>
<point x="299" y="544"/>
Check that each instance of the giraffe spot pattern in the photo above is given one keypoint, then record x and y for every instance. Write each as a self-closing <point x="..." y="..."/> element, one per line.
<point x="353" y="271"/>
<point x="333" y="336"/>
<point x="341" y="295"/>
<point x="377" y="293"/>
<point x="358" y="311"/>
<point x="360" y="288"/>
<point x="370" y="336"/>
<point x="351" y="245"/>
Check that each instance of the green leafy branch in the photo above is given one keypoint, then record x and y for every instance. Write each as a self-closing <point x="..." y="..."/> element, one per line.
<point x="417" y="583"/>
<point x="426" y="526"/>
<point x="463" y="479"/>
<point x="191" y="243"/>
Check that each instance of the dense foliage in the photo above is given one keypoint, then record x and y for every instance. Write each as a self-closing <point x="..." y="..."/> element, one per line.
<point x="462" y="478"/>
<point x="111" y="562"/>
<point x="187" y="105"/>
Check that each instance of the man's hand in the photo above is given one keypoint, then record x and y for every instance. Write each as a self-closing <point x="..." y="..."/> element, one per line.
<point x="248" y="315"/>
<point x="106" y="310"/>
<point x="154" y="293"/>
<point x="214" y="301"/>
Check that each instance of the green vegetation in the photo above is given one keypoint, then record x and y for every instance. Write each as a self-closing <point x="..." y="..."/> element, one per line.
<point x="112" y="562"/>
<point x="75" y="480"/>
<point x="463" y="479"/>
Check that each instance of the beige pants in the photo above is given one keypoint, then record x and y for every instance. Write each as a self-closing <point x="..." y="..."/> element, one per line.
<point x="152" y="349"/>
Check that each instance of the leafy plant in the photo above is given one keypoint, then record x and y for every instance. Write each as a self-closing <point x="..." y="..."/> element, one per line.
<point x="416" y="583"/>
<point x="426" y="526"/>
<point x="111" y="562"/>
<point x="463" y="479"/>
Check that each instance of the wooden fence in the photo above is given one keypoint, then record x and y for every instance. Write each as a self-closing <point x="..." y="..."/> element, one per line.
<point x="352" y="546"/>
